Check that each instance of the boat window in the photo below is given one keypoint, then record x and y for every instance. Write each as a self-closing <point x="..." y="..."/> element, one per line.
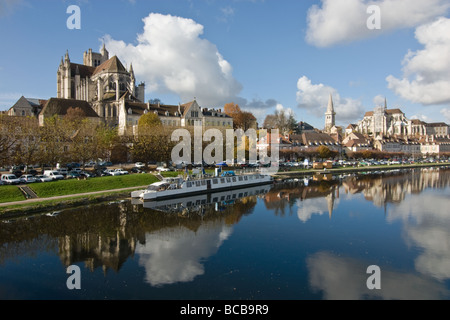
<point x="234" y="195"/>
<point x="189" y="184"/>
<point x="222" y="198"/>
<point x="228" y="180"/>
<point x="240" y="179"/>
<point x="222" y="180"/>
<point x="245" y="178"/>
<point x="215" y="199"/>
<point x="203" y="182"/>
<point x="215" y="181"/>
<point x="197" y="183"/>
<point x="240" y="195"/>
<point x="189" y="203"/>
<point x="234" y="179"/>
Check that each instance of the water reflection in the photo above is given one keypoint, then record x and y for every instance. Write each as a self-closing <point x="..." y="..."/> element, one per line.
<point x="176" y="254"/>
<point x="426" y="224"/>
<point x="321" y="193"/>
<point x="344" y="278"/>
<point x="170" y="241"/>
<point x="106" y="236"/>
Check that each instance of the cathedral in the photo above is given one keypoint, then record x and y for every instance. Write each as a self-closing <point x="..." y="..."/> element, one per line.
<point x="106" y="91"/>
<point x="101" y="81"/>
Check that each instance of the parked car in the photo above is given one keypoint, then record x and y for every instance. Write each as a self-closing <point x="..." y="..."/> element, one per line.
<point x="28" y="178"/>
<point x="139" y="165"/>
<point x="42" y="178"/>
<point x="121" y="171"/>
<point x="137" y="170"/>
<point x="17" y="173"/>
<point x="86" y="174"/>
<point x="54" y="174"/>
<point x="111" y="172"/>
<point x="10" y="179"/>
<point x="63" y="171"/>
<point x="162" y="169"/>
<point x="73" y="175"/>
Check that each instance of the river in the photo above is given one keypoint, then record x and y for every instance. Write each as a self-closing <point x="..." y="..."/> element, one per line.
<point x="383" y="235"/>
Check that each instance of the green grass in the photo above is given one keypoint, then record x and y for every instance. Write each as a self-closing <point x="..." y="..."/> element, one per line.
<point x="69" y="187"/>
<point x="10" y="193"/>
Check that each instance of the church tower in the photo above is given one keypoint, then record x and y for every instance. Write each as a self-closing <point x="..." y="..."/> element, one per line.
<point x="330" y="115"/>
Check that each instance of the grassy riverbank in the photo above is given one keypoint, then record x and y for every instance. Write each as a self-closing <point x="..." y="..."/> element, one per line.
<point x="68" y="187"/>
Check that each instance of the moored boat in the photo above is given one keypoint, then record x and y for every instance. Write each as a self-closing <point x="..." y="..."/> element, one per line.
<point x="170" y="188"/>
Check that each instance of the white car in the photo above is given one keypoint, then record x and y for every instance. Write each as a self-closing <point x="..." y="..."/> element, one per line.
<point x="163" y="169"/>
<point x="121" y="171"/>
<point x="111" y="172"/>
<point x="43" y="178"/>
<point x="28" y="178"/>
<point x="139" y="165"/>
<point x="10" y="179"/>
<point x="54" y="174"/>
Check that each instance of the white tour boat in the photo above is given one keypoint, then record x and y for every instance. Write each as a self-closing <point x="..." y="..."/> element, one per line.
<point x="179" y="187"/>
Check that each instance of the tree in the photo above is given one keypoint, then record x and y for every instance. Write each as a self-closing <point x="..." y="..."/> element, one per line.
<point x="54" y="141"/>
<point x="9" y="137"/>
<point x="283" y="121"/>
<point x="155" y="101"/>
<point x="324" y="152"/>
<point x="270" y="122"/>
<point x="149" y="122"/>
<point x="241" y="119"/>
<point x="26" y="149"/>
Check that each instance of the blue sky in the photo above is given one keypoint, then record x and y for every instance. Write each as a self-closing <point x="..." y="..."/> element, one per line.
<point x="261" y="54"/>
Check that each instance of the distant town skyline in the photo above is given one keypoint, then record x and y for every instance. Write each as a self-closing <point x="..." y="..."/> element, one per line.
<point x="262" y="55"/>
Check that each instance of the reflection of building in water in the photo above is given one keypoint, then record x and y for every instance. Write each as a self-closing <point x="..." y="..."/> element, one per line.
<point x="110" y="235"/>
<point x="98" y="250"/>
<point x="316" y="197"/>
<point x="393" y="187"/>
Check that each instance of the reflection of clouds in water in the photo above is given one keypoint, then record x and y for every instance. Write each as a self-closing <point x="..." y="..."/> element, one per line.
<point x="320" y="206"/>
<point x="427" y="225"/>
<point x="175" y="254"/>
<point x="343" y="278"/>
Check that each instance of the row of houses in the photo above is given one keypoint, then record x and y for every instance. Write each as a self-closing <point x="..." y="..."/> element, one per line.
<point x="357" y="142"/>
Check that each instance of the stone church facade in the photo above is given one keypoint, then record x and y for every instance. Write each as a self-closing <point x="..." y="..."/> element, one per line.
<point x="101" y="81"/>
<point x="111" y="91"/>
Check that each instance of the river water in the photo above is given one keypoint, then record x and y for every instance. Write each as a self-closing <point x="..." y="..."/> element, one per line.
<point x="313" y="238"/>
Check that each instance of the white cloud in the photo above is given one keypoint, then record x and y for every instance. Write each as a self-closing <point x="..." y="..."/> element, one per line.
<point x="314" y="98"/>
<point x="9" y="6"/>
<point x="345" y="278"/>
<point x="446" y="113"/>
<point x="168" y="260"/>
<point x="343" y="21"/>
<point x="422" y="117"/>
<point x="425" y="79"/>
<point x="426" y="225"/>
<point x="379" y="100"/>
<point x="172" y="58"/>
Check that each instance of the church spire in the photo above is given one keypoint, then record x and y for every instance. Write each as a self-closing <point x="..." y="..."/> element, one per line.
<point x="66" y="58"/>
<point x="131" y="70"/>
<point x="385" y="103"/>
<point x="330" y="115"/>
<point x="330" y="108"/>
